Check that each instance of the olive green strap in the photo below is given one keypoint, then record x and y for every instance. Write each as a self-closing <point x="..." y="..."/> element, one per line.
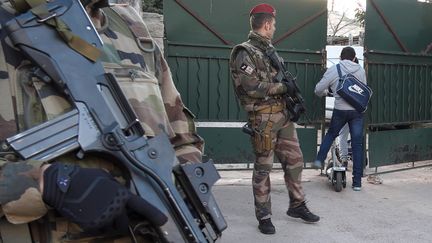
<point x="23" y="5"/>
<point x="75" y="42"/>
<point x="39" y="9"/>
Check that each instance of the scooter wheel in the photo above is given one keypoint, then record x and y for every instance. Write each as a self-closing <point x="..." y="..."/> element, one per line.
<point x="338" y="184"/>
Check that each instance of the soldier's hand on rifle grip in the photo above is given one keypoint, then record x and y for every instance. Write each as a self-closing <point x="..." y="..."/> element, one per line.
<point x="291" y="89"/>
<point x="302" y="108"/>
<point x="93" y="199"/>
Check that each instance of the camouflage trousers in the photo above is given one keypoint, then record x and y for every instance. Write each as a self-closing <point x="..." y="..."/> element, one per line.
<point x="275" y="135"/>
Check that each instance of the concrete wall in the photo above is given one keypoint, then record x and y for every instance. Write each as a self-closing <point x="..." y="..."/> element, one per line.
<point x="155" y="25"/>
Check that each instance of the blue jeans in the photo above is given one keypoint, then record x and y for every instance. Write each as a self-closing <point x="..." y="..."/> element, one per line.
<point x="355" y="122"/>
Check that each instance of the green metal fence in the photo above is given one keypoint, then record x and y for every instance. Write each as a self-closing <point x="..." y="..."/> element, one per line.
<point x="402" y="88"/>
<point x="398" y="25"/>
<point x="399" y="70"/>
<point x="200" y="36"/>
<point x="202" y="76"/>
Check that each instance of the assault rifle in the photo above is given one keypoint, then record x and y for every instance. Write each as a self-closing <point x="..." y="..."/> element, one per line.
<point x="103" y="122"/>
<point x="293" y="98"/>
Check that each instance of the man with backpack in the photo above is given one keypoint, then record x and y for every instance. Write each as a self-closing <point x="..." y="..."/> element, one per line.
<point x="343" y="113"/>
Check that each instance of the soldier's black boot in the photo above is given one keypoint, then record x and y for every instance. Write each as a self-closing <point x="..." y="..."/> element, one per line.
<point x="303" y="212"/>
<point x="266" y="227"/>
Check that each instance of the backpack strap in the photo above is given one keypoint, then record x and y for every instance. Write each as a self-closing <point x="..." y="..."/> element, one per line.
<point x="339" y="71"/>
<point x="39" y="9"/>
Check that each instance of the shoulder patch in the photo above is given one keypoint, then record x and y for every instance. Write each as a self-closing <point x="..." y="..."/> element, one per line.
<point x="246" y="68"/>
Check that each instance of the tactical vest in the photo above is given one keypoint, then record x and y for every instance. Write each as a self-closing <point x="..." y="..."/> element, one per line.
<point x="135" y="59"/>
<point x="265" y="73"/>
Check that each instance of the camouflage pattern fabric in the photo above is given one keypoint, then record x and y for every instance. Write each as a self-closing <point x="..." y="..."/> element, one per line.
<point x="148" y="83"/>
<point x="253" y="83"/>
<point x="287" y="150"/>
<point x="142" y="73"/>
<point x="253" y="75"/>
<point x="7" y="114"/>
<point x="23" y="177"/>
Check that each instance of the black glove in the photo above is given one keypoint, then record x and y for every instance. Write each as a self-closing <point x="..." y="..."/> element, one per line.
<point x="291" y="89"/>
<point x="93" y="199"/>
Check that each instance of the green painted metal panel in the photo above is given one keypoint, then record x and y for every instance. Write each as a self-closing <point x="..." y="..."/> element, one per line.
<point x="410" y="21"/>
<point x="198" y="55"/>
<point x="230" y="19"/>
<point x="231" y="145"/>
<point x="227" y="145"/>
<point x="308" y="143"/>
<point x="402" y="85"/>
<point x="203" y="79"/>
<point x="200" y="35"/>
<point x="406" y="145"/>
<point x="399" y="71"/>
<point x="397" y="33"/>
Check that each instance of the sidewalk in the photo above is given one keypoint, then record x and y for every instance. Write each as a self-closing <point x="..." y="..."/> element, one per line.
<point x="399" y="210"/>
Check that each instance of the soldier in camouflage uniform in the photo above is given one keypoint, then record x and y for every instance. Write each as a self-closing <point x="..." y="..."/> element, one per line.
<point x="273" y="133"/>
<point x="25" y="101"/>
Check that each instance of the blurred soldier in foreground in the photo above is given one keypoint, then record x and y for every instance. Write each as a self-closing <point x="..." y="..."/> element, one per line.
<point x="28" y="189"/>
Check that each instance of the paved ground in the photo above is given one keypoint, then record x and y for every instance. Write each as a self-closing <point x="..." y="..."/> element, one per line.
<point x="399" y="210"/>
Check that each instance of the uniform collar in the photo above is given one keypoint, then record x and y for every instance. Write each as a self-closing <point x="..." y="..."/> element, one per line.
<point x="259" y="41"/>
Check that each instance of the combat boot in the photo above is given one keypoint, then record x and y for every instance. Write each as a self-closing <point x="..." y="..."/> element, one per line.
<point x="303" y="212"/>
<point x="266" y="227"/>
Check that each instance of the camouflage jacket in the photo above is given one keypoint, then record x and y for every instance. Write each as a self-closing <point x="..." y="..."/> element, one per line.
<point x="130" y="54"/>
<point x="142" y="73"/>
<point x="253" y="74"/>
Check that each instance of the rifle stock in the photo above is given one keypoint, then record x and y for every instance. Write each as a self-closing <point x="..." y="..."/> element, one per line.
<point x="103" y="122"/>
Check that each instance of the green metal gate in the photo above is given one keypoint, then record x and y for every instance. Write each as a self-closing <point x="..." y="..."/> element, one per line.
<point x="199" y="37"/>
<point x="398" y="35"/>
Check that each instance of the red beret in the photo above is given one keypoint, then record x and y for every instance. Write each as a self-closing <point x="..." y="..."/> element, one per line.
<point x="263" y="8"/>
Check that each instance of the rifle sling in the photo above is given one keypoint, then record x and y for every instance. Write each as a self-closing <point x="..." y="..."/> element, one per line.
<point x="38" y="8"/>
